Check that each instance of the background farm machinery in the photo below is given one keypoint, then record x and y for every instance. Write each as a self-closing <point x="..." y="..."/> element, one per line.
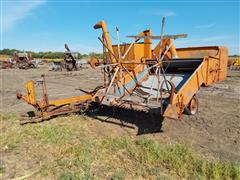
<point x="70" y="61"/>
<point x="234" y="63"/>
<point x="163" y="80"/>
<point x="20" y="61"/>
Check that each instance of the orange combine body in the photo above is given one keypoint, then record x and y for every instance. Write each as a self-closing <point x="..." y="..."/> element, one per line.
<point x="162" y="80"/>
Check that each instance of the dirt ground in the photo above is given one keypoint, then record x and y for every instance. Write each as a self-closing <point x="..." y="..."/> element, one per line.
<point x="214" y="131"/>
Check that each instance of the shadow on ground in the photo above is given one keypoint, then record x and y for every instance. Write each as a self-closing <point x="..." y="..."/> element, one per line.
<point x="145" y="122"/>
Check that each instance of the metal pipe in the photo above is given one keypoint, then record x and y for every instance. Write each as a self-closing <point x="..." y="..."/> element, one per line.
<point x="152" y="84"/>
<point x="108" y="89"/>
<point x="109" y="50"/>
<point x="159" y="73"/>
<point x="103" y="25"/>
<point x="161" y="58"/>
<point x="44" y="90"/>
<point x="160" y="49"/>
<point x="118" y="39"/>
<point x="126" y="53"/>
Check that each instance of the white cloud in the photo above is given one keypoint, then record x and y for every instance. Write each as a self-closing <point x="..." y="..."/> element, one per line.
<point x="15" y="11"/>
<point x="205" y="26"/>
<point x="137" y="25"/>
<point x="163" y="13"/>
<point x="155" y="12"/>
<point x="215" y="38"/>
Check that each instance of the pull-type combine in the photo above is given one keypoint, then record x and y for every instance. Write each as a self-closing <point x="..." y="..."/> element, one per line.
<point x="162" y="80"/>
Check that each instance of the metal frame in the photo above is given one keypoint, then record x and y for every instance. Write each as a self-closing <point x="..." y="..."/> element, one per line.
<point x="124" y="75"/>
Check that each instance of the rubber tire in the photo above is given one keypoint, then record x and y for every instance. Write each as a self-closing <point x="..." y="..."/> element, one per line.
<point x="187" y="109"/>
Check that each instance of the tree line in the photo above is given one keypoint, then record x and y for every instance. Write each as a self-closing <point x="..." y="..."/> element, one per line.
<point x="56" y="55"/>
<point x="47" y="55"/>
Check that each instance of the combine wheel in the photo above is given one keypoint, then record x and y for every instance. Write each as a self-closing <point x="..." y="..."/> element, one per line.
<point x="192" y="107"/>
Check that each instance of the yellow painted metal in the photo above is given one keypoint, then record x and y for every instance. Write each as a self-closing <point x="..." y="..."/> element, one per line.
<point x="166" y="42"/>
<point x="212" y="69"/>
<point x="172" y="49"/>
<point x="103" y="26"/>
<point x="138" y="52"/>
<point x="31" y="92"/>
<point x="147" y="44"/>
<point x="234" y="63"/>
<point x="216" y="65"/>
<point x="30" y="98"/>
<point x="135" y="54"/>
<point x="81" y="98"/>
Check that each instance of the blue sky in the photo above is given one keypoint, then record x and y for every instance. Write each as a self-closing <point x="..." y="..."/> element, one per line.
<point x="45" y="25"/>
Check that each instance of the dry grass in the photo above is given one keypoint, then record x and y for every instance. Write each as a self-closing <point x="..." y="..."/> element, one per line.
<point x="68" y="148"/>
